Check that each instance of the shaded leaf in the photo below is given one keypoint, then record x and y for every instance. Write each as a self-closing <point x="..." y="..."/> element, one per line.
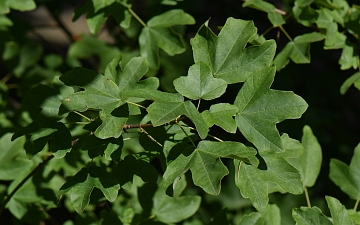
<point x="82" y="184"/>
<point x="253" y="218"/>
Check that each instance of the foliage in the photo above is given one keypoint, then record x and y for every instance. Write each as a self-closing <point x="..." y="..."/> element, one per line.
<point x="139" y="132"/>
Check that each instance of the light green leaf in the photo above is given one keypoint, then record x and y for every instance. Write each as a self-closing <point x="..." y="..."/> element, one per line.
<point x="165" y="206"/>
<point x="348" y="59"/>
<point x="158" y="34"/>
<point x="21" y="5"/>
<point x="276" y="19"/>
<point x="254" y="218"/>
<point x="259" y="5"/>
<point x="163" y="112"/>
<point x="222" y="115"/>
<point x="309" y="163"/>
<point x="99" y="4"/>
<point x="354" y="79"/>
<point x="82" y="184"/>
<point x="354" y="215"/>
<point x="339" y="214"/>
<point x="339" y="174"/>
<point x="205" y="164"/>
<point x="200" y="84"/>
<point x="13" y="160"/>
<point x="261" y="108"/>
<point x="313" y="216"/>
<point x="252" y="184"/>
<point x="226" y="54"/>
<point x="272" y="215"/>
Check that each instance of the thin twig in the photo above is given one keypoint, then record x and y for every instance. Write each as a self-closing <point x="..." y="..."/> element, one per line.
<point x="286" y="34"/>
<point x="40" y="166"/>
<point x="137" y="17"/>
<point x="307" y="197"/>
<point x="186" y="134"/>
<point x="132" y="126"/>
<point x="6" y="78"/>
<point x="356" y="204"/>
<point x="150" y="137"/>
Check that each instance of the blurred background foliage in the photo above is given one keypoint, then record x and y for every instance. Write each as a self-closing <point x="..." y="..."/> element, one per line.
<point x="37" y="45"/>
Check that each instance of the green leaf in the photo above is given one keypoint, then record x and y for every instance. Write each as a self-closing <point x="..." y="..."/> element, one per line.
<point x="252" y="184"/>
<point x="13" y="160"/>
<point x="205" y="164"/>
<point x="82" y="184"/>
<point x="163" y="112"/>
<point x="297" y="50"/>
<point x="158" y="34"/>
<point x="100" y="93"/>
<point x="339" y="174"/>
<point x="29" y="55"/>
<point x="99" y="10"/>
<point x="200" y="84"/>
<point x="347" y="177"/>
<point x="253" y="218"/>
<point x="165" y="206"/>
<point x="339" y="214"/>
<point x="87" y="46"/>
<point x="261" y="108"/>
<point x="348" y="59"/>
<point x="309" y="163"/>
<point x="21" y="5"/>
<point x="272" y="215"/>
<point x="354" y="79"/>
<point x="313" y="216"/>
<point x="222" y="115"/>
<point x="226" y="54"/>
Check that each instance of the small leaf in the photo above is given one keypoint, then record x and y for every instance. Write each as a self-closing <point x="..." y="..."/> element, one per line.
<point x="339" y="174"/>
<point x="354" y="79"/>
<point x="226" y="54"/>
<point x="309" y="163"/>
<point x="313" y="216"/>
<point x="13" y="160"/>
<point x="261" y="108"/>
<point x="253" y="218"/>
<point x="205" y="164"/>
<point x="22" y="5"/>
<point x="163" y="112"/>
<point x="158" y="34"/>
<point x="82" y="184"/>
<point x="165" y="206"/>
<point x="200" y="84"/>
<point x="222" y="115"/>
<point x="339" y="214"/>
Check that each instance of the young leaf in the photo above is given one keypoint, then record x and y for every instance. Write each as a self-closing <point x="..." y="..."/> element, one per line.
<point x="200" y="84"/>
<point x="346" y="177"/>
<point x="339" y="213"/>
<point x="226" y="54"/>
<point x="309" y="163"/>
<point x="82" y="184"/>
<point x="205" y="164"/>
<point x="158" y="34"/>
<point x="354" y="79"/>
<point x="313" y="216"/>
<point x="222" y="115"/>
<point x="260" y="108"/>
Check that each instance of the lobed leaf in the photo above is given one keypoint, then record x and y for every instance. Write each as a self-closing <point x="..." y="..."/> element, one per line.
<point x="261" y="108"/>
<point x="226" y="54"/>
<point x="339" y="214"/>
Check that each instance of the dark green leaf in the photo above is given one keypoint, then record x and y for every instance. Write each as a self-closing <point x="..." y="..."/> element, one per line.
<point x="222" y="115"/>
